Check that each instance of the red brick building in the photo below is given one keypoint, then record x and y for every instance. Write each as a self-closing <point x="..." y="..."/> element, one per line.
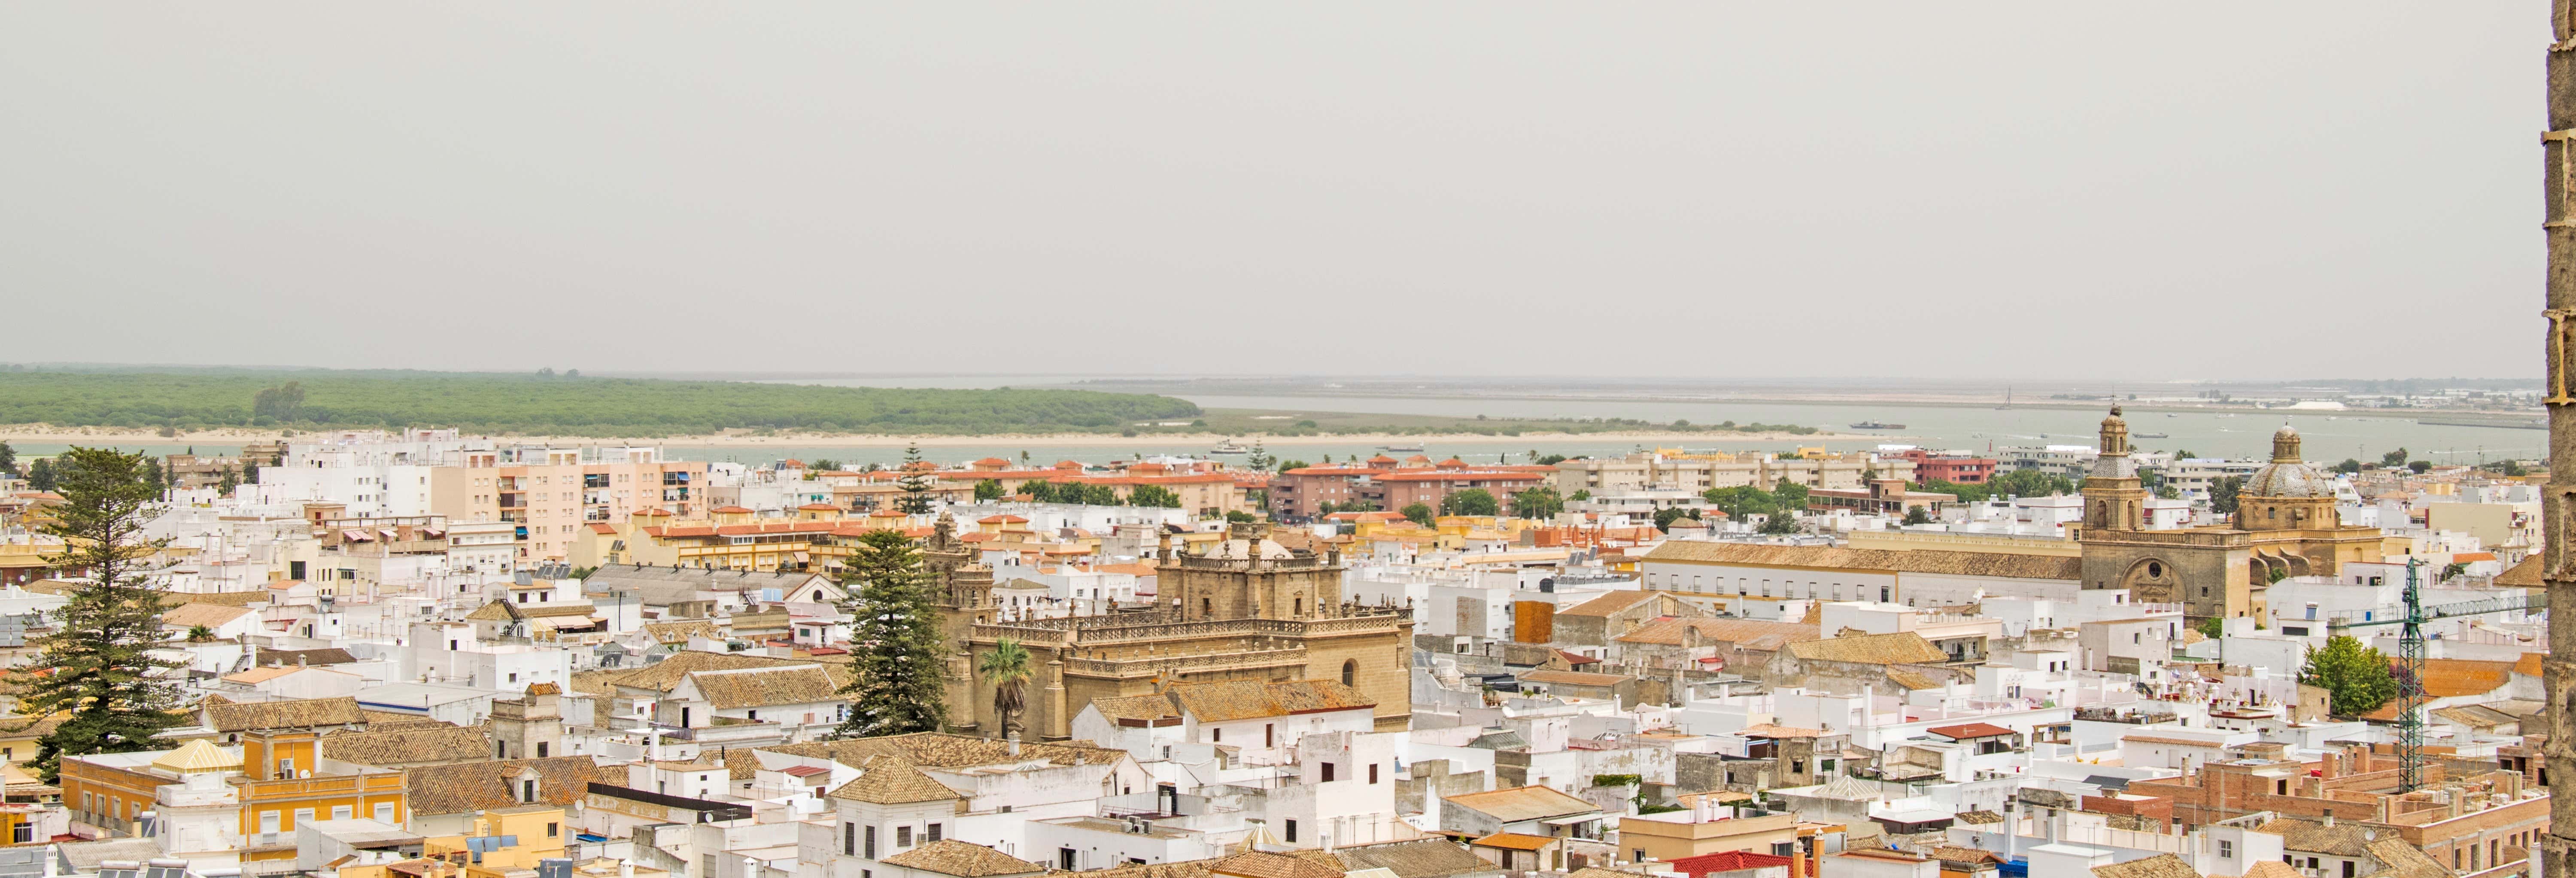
<point x="1955" y="469"/>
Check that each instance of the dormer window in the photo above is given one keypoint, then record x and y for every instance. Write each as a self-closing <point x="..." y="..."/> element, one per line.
<point x="528" y="790"/>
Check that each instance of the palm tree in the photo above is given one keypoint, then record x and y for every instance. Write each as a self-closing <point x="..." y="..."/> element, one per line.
<point x="1005" y="669"/>
<point x="200" y="634"/>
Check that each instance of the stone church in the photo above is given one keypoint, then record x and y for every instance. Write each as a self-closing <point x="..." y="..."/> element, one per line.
<point x="1247" y="609"/>
<point x="2285" y="525"/>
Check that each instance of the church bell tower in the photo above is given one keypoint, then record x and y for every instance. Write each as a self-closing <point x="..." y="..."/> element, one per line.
<point x="2114" y="498"/>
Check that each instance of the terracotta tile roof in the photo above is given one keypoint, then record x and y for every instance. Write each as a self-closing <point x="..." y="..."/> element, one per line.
<point x="672" y="633"/>
<point x="1913" y="680"/>
<point x="1264" y="864"/>
<point x="293" y="657"/>
<point x="887" y="779"/>
<point x="2529" y="664"/>
<point x="1890" y="560"/>
<point x="409" y="744"/>
<point x="1249" y="699"/>
<point x="1980" y="817"/>
<point x="663" y="675"/>
<point x="2461" y="678"/>
<point x="2344" y="839"/>
<point x="949" y="856"/>
<point x="1573" y="678"/>
<point x="943" y="750"/>
<point x="290" y="714"/>
<point x="1725" y="861"/>
<point x="1900" y="648"/>
<point x="186" y="616"/>
<point x="1745" y="633"/>
<point x="1136" y="707"/>
<point x="1457" y="475"/>
<point x="1969" y="730"/>
<point x="2523" y="575"/>
<point x="1608" y="603"/>
<point x="1948" y="854"/>
<point x="2158" y="866"/>
<point x="478" y="786"/>
<point x="1522" y="803"/>
<point x="765" y="687"/>
<point x="1518" y="842"/>
<point x="2271" y="869"/>
<point x="2404" y="860"/>
<point x="1420" y="858"/>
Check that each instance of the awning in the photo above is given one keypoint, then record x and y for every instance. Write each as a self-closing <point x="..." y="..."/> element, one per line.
<point x="433" y="533"/>
<point x="802" y="557"/>
<point x="1570" y="821"/>
<point x="355" y="536"/>
<point x="388" y="533"/>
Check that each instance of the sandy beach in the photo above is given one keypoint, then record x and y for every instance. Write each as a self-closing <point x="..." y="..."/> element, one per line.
<point x="47" y="434"/>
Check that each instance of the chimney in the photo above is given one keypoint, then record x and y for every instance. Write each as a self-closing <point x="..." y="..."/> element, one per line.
<point x="653" y="745"/>
<point x="625" y="869"/>
<point x="2329" y="818"/>
<point x="1015" y="745"/>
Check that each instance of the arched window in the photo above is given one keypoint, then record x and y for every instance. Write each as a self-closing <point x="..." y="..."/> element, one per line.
<point x="1350" y="672"/>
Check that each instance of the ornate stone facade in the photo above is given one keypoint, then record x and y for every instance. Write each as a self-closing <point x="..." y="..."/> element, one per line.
<point x="1247" y="610"/>
<point x="2286" y="526"/>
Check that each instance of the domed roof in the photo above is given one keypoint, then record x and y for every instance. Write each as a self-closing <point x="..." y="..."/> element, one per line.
<point x="2289" y="480"/>
<point x="2287" y="475"/>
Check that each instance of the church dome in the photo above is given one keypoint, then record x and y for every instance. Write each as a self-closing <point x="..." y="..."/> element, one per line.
<point x="2287" y="475"/>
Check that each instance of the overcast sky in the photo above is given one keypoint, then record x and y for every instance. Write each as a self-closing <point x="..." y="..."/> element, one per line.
<point x="2224" y="190"/>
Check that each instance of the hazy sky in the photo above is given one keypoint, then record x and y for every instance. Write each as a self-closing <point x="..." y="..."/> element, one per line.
<point x="2076" y="190"/>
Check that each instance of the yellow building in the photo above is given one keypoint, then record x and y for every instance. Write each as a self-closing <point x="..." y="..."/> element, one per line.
<point x="539" y="829"/>
<point x="249" y="799"/>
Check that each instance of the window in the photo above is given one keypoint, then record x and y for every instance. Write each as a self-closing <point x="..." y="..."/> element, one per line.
<point x="268" y="822"/>
<point x="928" y="833"/>
<point x="1637" y="856"/>
<point x="551" y="830"/>
<point x="527" y="790"/>
<point x="1782" y="848"/>
<point x="1268" y="736"/>
<point x="1328" y="772"/>
<point x="343" y="812"/>
<point x="2226" y="850"/>
<point x="303" y="816"/>
<point x="850" y="838"/>
<point x="541" y="749"/>
<point x="1065" y="859"/>
<point x="1350" y="672"/>
<point x="1292" y="832"/>
<point x="903" y="836"/>
<point x="1372" y="772"/>
<point x="869" y="848"/>
<point x="1216" y="734"/>
<point x="285" y="768"/>
<point x="384" y="812"/>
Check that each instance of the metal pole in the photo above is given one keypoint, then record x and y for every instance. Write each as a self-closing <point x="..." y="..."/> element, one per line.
<point x="2410" y="687"/>
<point x="2560" y="241"/>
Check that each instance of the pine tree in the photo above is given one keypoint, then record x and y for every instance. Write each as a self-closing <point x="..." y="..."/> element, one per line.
<point x="40" y="475"/>
<point x="915" y="484"/>
<point x="895" y="685"/>
<point x="98" y="678"/>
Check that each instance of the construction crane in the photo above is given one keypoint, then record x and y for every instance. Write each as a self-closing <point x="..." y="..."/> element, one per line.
<point x="2410" y="660"/>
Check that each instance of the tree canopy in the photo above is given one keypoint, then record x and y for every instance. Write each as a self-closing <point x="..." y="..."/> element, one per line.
<point x="2356" y="677"/>
<point x="1473" y="501"/>
<point x="560" y="405"/>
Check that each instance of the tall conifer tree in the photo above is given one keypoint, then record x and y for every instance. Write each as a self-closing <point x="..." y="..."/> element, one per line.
<point x="96" y="674"/>
<point x="915" y="484"/>
<point x="896" y="686"/>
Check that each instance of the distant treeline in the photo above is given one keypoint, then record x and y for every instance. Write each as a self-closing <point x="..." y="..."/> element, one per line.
<point x="544" y="403"/>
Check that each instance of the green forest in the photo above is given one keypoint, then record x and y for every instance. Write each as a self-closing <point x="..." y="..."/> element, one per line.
<point x="544" y="403"/>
